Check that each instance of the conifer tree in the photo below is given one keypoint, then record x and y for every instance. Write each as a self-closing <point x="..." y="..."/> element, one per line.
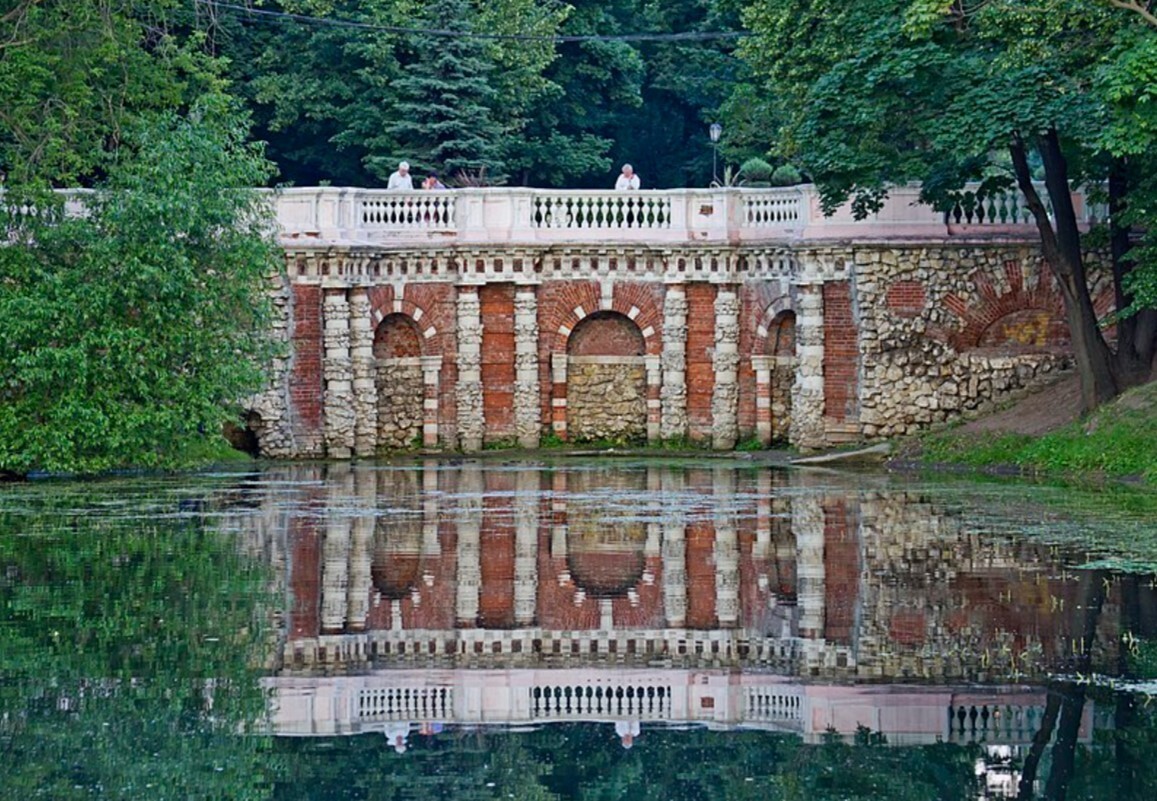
<point x="445" y="113"/>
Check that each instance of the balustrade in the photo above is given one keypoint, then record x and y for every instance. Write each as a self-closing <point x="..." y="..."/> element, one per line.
<point x="654" y="217"/>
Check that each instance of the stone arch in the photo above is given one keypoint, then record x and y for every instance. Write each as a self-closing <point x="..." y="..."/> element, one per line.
<point x="606" y="379"/>
<point x="775" y="363"/>
<point x="763" y="329"/>
<point x="398" y="342"/>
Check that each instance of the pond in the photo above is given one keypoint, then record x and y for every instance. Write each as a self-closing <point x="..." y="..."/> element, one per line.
<point x="574" y="629"/>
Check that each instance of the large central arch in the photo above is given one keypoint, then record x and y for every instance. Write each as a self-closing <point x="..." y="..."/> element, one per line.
<point x="606" y="380"/>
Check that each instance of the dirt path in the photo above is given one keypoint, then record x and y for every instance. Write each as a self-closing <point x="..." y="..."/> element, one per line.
<point x="1055" y="406"/>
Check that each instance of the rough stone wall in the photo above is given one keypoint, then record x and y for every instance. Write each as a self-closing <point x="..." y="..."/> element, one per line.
<point x="272" y="406"/>
<point x="951" y="331"/>
<point x="606" y="401"/>
<point x="399" y="386"/>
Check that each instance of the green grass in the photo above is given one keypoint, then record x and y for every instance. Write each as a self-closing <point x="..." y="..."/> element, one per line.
<point x="1117" y="441"/>
<point x="213" y="450"/>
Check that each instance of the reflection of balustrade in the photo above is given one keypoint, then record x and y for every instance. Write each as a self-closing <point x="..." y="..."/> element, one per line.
<point x="586" y="701"/>
<point x="993" y="723"/>
<point x="771" y="704"/>
<point x="406" y="703"/>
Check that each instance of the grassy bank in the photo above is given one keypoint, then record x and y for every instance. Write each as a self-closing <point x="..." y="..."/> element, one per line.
<point x="1118" y="441"/>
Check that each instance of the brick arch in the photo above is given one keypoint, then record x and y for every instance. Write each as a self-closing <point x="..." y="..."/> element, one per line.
<point x="1028" y="315"/>
<point x="763" y="327"/>
<point x="652" y="343"/>
<point x="381" y="308"/>
<point x="401" y="332"/>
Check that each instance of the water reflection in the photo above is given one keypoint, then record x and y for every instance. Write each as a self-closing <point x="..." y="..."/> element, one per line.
<point x="597" y="630"/>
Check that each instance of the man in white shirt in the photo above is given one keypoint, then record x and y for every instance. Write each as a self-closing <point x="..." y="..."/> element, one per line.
<point x="628" y="179"/>
<point x="401" y="179"/>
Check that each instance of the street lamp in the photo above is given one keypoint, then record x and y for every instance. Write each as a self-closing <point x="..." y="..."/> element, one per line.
<point x="715" y="131"/>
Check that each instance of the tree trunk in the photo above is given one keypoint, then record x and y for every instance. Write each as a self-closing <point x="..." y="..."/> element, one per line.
<point x="1061" y="248"/>
<point x="1040" y="742"/>
<point x="1136" y="333"/>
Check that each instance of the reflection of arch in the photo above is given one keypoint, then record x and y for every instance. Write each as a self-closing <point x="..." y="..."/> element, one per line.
<point x="606" y="379"/>
<point x="606" y="561"/>
<point x="400" y="386"/>
<point x="397" y="559"/>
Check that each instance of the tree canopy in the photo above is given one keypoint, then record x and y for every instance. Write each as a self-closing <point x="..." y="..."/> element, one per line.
<point x="890" y="91"/>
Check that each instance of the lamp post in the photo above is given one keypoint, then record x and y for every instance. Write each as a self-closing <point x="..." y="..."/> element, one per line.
<point x="715" y="131"/>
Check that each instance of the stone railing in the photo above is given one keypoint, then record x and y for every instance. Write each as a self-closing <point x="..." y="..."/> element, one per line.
<point x="721" y="698"/>
<point x="517" y="215"/>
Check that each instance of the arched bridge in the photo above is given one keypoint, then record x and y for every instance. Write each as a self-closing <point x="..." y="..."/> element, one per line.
<point x="463" y="318"/>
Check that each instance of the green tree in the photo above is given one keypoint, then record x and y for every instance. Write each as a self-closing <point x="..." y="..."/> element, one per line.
<point x="128" y="331"/>
<point x="893" y="91"/>
<point x="444" y="112"/>
<point x="74" y="76"/>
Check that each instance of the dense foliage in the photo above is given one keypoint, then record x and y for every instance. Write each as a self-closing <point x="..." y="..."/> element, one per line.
<point x="889" y="91"/>
<point x="128" y="330"/>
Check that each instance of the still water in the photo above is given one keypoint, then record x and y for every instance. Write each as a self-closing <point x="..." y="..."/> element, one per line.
<point x="571" y="630"/>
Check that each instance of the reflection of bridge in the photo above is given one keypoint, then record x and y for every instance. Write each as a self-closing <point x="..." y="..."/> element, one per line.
<point x="479" y="316"/>
<point x="686" y="567"/>
<point x="718" y="699"/>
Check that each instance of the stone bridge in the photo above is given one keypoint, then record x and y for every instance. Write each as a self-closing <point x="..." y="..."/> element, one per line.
<point x="460" y="319"/>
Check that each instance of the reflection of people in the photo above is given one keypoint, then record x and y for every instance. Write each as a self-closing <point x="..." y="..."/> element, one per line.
<point x="432" y="182"/>
<point x="627" y="179"/>
<point x="401" y="178"/>
<point x="396" y="734"/>
<point x="627" y="730"/>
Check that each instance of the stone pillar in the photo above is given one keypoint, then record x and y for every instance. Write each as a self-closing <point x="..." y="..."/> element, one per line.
<point x="338" y="376"/>
<point x="469" y="388"/>
<point x="654" y="367"/>
<point x="361" y="544"/>
<point x="673" y="395"/>
<point x="807" y="523"/>
<point x="558" y="394"/>
<point x="364" y="386"/>
<point x="431" y="372"/>
<point x="761" y="365"/>
<point x="526" y="547"/>
<point x="469" y="583"/>
<point x="726" y="549"/>
<point x="527" y="412"/>
<point x="336" y="551"/>
<point x="807" y="395"/>
<point x="725" y="396"/>
<point x="674" y="551"/>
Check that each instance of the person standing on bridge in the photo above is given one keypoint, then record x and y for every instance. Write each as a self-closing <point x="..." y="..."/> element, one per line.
<point x="401" y="178"/>
<point x="628" y="179"/>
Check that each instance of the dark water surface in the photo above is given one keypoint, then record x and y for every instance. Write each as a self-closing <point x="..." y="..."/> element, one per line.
<point x="573" y="630"/>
